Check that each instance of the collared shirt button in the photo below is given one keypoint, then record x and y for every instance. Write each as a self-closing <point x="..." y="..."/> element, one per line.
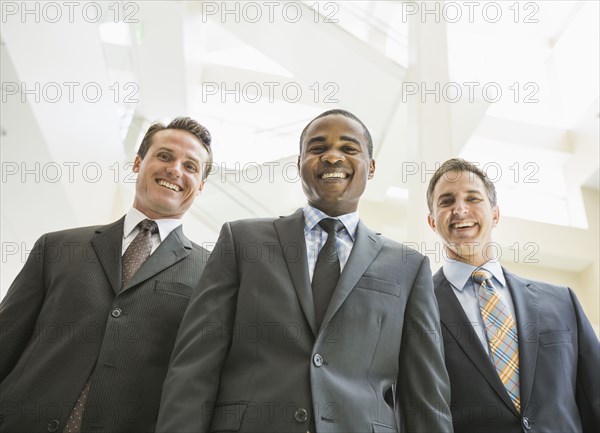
<point x="318" y="360"/>
<point x="526" y="423"/>
<point x="53" y="425"/>
<point x="301" y="415"/>
<point x="116" y="312"/>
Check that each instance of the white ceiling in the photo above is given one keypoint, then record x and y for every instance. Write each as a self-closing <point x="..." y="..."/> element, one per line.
<point x="65" y="157"/>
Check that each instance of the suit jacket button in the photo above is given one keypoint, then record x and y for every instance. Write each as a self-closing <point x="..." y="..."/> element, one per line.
<point x="526" y="423"/>
<point x="53" y="425"/>
<point x="318" y="360"/>
<point x="301" y="415"/>
<point x="116" y="313"/>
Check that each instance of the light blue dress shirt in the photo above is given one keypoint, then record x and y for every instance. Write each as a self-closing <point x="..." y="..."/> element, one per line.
<point x="316" y="237"/>
<point x="466" y="290"/>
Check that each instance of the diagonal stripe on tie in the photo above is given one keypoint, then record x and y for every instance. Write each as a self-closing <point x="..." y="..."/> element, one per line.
<point x="501" y="332"/>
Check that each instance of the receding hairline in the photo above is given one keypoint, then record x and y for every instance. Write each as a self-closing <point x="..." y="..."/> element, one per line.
<point x="460" y="166"/>
<point x="194" y="136"/>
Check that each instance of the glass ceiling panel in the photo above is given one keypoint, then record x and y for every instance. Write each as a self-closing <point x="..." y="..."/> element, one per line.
<point x="541" y="83"/>
<point x="381" y="24"/>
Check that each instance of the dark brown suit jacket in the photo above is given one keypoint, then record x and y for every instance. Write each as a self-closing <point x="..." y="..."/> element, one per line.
<point x="65" y="318"/>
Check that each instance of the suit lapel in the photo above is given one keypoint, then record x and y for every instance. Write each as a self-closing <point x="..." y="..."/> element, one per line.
<point x="290" y="231"/>
<point x="525" y="300"/>
<point x="366" y="247"/>
<point x="174" y="248"/>
<point x="107" y="244"/>
<point x="457" y="324"/>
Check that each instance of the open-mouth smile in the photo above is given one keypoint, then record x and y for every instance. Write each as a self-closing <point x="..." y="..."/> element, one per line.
<point x="334" y="175"/>
<point x="169" y="185"/>
<point x="463" y="224"/>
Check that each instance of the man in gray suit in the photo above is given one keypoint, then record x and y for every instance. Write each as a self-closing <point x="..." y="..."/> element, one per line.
<point x="551" y="381"/>
<point x="86" y="344"/>
<point x="264" y="348"/>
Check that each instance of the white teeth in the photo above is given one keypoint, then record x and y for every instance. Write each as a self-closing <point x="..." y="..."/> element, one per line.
<point x="463" y="224"/>
<point x="169" y="185"/>
<point x="335" y="174"/>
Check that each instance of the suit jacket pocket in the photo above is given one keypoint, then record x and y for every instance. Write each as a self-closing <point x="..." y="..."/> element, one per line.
<point x="383" y="428"/>
<point x="228" y="416"/>
<point x="174" y="288"/>
<point x="378" y="285"/>
<point x="555" y="337"/>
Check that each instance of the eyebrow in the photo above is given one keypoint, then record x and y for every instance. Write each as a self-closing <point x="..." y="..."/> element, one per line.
<point x="320" y="139"/>
<point x="449" y="194"/>
<point x="189" y="157"/>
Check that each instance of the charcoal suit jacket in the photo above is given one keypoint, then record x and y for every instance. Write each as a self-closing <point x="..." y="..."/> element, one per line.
<point x="250" y="356"/>
<point x="559" y="364"/>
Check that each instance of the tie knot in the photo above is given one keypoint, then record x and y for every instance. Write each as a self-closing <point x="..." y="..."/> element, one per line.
<point x="331" y="226"/>
<point x="149" y="225"/>
<point x="480" y="275"/>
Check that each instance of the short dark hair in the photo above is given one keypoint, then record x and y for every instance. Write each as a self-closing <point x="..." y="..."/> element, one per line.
<point x="459" y="164"/>
<point x="340" y="112"/>
<point x="185" y="124"/>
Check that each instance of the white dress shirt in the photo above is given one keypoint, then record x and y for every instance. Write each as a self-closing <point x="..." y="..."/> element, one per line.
<point x="130" y="229"/>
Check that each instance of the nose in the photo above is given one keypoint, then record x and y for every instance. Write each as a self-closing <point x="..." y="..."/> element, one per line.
<point x="460" y="208"/>
<point x="332" y="156"/>
<point x="174" y="169"/>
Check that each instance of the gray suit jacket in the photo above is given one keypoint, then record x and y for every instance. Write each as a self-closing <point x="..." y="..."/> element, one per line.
<point x="559" y="363"/>
<point x="65" y="317"/>
<point x="250" y="358"/>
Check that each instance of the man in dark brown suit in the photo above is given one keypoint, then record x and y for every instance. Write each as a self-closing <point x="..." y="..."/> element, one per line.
<point x="82" y="338"/>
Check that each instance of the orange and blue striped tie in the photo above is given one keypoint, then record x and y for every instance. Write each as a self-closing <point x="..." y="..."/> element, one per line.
<point x="501" y="332"/>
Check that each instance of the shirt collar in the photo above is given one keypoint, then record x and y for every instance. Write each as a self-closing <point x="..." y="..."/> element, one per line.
<point x="312" y="217"/>
<point x="134" y="216"/>
<point x="459" y="273"/>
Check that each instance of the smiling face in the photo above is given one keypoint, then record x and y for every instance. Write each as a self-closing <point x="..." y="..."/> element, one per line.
<point x="464" y="217"/>
<point x="334" y="164"/>
<point x="170" y="176"/>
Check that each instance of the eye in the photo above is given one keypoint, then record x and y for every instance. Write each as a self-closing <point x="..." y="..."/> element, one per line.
<point x="191" y="167"/>
<point x="351" y="150"/>
<point x="474" y="199"/>
<point x="316" y="149"/>
<point x="445" y="202"/>
<point x="163" y="156"/>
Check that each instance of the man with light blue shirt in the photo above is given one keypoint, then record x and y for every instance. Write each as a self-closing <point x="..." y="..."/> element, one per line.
<point x="87" y="327"/>
<point x="521" y="354"/>
<point x="311" y="322"/>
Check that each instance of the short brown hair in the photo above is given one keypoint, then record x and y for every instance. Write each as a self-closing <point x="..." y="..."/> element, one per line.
<point x="185" y="124"/>
<point x="459" y="164"/>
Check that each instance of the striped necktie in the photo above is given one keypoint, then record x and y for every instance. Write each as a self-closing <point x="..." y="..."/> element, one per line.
<point x="501" y="332"/>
